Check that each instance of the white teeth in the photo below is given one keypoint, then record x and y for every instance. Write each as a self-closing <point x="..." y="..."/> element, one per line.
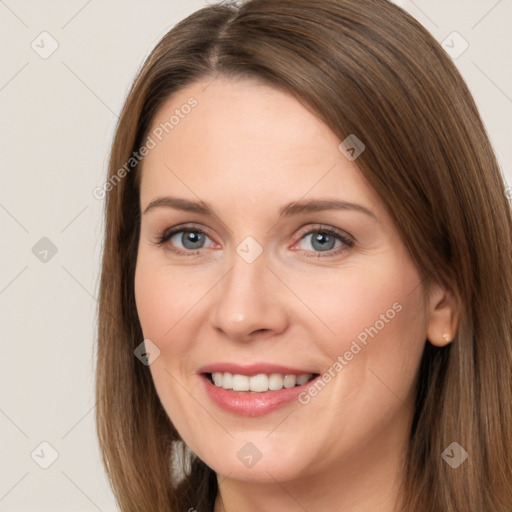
<point x="302" y="379"/>
<point x="217" y="379"/>
<point x="227" y="380"/>
<point x="289" y="381"/>
<point x="275" y="382"/>
<point x="240" y="383"/>
<point x="259" y="383"/>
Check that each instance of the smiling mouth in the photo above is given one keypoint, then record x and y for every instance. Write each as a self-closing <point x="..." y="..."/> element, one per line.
<point x="260" y="383"/>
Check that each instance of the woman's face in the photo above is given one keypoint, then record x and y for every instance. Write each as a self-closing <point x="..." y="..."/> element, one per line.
<point x="282" y="261"/>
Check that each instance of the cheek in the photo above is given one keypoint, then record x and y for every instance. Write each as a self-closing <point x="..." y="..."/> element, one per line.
<point x="162" y="299"/>
<point x="150" y="301"/>
<point x="361" y="302"/>
<point x="373" y="324"/>
<point x="163" y="302"/>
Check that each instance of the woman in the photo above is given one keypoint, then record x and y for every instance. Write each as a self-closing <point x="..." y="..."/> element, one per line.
<point x="306" y="285"/>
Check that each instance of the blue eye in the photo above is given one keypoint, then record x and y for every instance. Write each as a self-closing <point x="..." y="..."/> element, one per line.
<point x="191" y="240"/>
<point x="321" y="240"/>
<point x="188" y="241"/>
<point x="326" y="240"/>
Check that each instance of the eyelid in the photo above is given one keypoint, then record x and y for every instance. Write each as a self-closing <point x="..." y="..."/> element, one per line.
<point x="325" y="228"/>
<point x="163" y="236"/>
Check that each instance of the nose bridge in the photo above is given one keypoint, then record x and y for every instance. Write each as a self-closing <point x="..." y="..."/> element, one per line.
<point x="247" y="300"/>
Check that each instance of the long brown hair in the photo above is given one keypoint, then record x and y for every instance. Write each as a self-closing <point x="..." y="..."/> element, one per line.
<point x="369" y="69"/>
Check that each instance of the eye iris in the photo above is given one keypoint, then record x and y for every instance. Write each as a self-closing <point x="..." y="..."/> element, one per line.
<point x="192" y="239"/>
<point x="326" y="241"/>
<point x="321" y="241"/>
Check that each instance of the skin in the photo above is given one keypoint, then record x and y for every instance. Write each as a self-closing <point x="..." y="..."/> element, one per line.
<point x="247" y="149"/>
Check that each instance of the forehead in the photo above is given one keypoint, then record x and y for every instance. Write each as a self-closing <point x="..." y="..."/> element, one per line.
<point x="249" y="137"/>
<point x="246" y="113"/>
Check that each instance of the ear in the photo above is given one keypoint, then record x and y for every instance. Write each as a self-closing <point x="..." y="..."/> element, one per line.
<point x="443" y="316"/>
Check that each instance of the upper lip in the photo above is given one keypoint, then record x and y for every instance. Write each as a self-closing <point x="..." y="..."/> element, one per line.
<point x="252" y="369"/>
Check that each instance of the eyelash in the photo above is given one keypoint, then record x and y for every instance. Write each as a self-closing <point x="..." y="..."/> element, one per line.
<point x="166" y="235"/>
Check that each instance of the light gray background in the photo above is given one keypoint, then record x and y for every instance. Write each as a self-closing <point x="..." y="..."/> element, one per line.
<point x="57" y="121"/>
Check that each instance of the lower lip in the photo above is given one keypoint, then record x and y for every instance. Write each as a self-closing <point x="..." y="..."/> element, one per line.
<point x="252" y="403"/>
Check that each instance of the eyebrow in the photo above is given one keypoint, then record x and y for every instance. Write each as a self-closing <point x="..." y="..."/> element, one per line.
<point x="288" y="210"/>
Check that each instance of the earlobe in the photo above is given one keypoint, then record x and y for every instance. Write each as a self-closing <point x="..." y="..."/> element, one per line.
<point x="447" y="338"/>
<point x="443" y="317"/>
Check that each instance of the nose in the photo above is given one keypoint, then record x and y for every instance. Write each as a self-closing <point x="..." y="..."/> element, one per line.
<point x="250" y="302"/>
